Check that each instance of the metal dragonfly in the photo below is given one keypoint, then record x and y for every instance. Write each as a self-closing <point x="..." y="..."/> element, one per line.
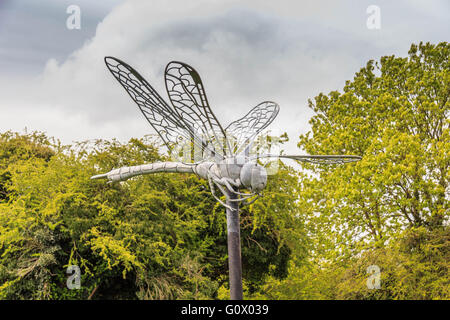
<point x="225" y="159"/>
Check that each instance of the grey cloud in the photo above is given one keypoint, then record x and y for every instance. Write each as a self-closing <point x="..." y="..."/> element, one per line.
<point x="245" y="52"/>
<point x="32" y="32"/>
<point x="252" y="27"/>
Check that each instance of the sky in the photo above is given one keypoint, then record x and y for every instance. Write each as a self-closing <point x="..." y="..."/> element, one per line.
<point x="53" y="78"/>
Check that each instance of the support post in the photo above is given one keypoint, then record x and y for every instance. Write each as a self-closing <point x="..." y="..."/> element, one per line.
<point x="234" y="248"/>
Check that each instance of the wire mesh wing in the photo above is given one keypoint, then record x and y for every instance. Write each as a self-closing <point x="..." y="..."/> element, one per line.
<point x="166" y="122"/>
<point x="187" y="94"/>
<point x="317" y="159"/>
<point x="241" y="132"/>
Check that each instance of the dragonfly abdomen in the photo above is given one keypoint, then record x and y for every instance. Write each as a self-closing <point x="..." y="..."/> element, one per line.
<point x="125" y="173"/>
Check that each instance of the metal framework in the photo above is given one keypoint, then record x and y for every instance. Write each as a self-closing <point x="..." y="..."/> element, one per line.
<point x="225" y="161"/>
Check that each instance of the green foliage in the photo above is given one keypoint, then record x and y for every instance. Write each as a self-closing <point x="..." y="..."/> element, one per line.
<point x="391" y="209"/>
<point x="395" y="114"/>
<point x="415" y="266"/>
<point x="155" y="237"/>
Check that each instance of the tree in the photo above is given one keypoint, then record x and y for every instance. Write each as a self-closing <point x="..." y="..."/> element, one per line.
<point x="390" y="209"/>
<point x="15" y="147"/>
<point x="395" y="114"/>
<point x="160" y="236"/>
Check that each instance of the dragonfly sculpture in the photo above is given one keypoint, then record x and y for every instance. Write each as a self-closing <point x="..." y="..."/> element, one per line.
<point x="225" y="158"/>
<point x="223" y="154"/>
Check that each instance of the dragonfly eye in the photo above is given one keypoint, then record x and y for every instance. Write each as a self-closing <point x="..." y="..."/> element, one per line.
<point x="254" y="177"/>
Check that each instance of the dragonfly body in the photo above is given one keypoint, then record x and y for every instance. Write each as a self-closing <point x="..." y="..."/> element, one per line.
<point x="232" y="173"/>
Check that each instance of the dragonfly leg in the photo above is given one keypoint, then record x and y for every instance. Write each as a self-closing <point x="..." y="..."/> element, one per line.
<point x="246" y="203"/>
<point x="236" y="183"/>
<point x="223" y="190"/>
<point x="211" y="185"/>
<point x="227" y="184"/>
<point x="242" y="198"/>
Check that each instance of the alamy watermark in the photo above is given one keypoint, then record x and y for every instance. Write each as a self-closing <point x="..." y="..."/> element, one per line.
<point x="187" y="151"/>
<point x="74" y="19"/>
<point x="374" y="19"/>
<point x="374" y="280"/>
<point x="74" y="280"/>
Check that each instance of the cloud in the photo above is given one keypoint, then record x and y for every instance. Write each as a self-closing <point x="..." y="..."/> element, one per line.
<point x="245" y="51"/>
<point x="32" y="32"/>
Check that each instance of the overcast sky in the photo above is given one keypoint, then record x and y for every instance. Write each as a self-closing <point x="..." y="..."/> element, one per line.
<point x="53" y="79"/>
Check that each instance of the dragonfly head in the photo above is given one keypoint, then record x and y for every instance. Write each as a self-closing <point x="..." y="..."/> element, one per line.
<point x="254" y="177"/>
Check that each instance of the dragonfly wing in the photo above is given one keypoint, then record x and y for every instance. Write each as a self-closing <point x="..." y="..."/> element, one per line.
<point x="166" y="122"/>
<point x="242" y="132"/>
<point x="317" y="159"/>
<point x="187" y="94"/>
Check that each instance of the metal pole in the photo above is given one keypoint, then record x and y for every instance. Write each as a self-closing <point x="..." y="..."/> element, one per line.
<point x="234" y="248"/>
